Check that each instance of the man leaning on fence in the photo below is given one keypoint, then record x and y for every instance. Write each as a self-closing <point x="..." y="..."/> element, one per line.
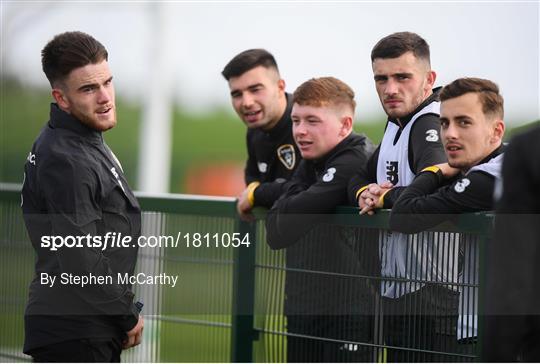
<point x="403" y="80"/>
<point x="324" y="303"/>
<point x="75" y="187"/>
<point x="472" y="129"/>
<point x="259" y="98"/>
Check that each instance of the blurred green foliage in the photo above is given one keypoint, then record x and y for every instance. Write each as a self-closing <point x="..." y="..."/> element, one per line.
<point x="212" y="137"/>
<point x="208" y="138"/>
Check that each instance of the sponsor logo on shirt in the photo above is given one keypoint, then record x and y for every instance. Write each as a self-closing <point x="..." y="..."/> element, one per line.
<point x="31" y="158"/>
<point x="392" y="172"/>
<point x="286" y="155"/>
<point x="115" y="174"/>
<point x="461" y="185"/>
<point x="262" y="167"/>
<point x="329" y="175"/>
<point x="432" y="135"/>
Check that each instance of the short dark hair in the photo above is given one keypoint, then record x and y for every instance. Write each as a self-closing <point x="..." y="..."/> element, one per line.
<point x="68" y="51"/>
<point x="397" y="44"/>
<point x="324" y="91"/>
<point x="488" y="93"/>
<point x="248" y="60"/>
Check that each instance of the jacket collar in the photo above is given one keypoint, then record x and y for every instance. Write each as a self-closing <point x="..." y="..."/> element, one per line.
<point x="284" y="124"/>
<point x="493" y="154"/>
<point x="320" y="163"/>
<point x="62" y="120"/>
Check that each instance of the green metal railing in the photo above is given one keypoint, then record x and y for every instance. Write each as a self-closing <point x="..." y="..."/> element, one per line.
<point x="229" y="302"/>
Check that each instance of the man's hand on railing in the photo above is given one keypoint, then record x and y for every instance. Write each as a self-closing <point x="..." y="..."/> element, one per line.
<point x="244" y="206"/>
<point x="372" y="197"/>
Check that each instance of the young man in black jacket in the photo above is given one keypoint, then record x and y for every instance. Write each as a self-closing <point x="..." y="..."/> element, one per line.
<point x="404" y="82"/>
<point x="74" y="188"/>
<point x="259" y="98"/>
<point x="472" y="129"/>
<point x="321" y="304"/>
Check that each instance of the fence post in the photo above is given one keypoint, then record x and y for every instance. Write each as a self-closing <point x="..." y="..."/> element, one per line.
<point x="484" y="240"/>
<point x="243" y="333"/>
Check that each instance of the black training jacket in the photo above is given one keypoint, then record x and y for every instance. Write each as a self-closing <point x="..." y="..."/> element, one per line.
<point x="430" y="199"/>
<point x="272" y="158"/>
<point x="317" y="188"/>
<point x="74" y="186"/>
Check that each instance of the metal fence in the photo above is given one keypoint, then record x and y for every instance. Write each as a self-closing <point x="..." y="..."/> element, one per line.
<point x="322" y="299"/>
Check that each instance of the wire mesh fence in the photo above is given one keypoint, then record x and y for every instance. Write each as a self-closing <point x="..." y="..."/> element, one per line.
<point x="348" y="291"/>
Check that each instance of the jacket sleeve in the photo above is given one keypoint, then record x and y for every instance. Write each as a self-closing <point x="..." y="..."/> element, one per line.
<point x="251" y="171"/>
<point x="425" y="146"/>
<point x="303" y="206"/>
<point x="426" y="202"/>
<point x="364" y="175"/>
<point x="71" y="195"/>
<point x="269" y="192"/>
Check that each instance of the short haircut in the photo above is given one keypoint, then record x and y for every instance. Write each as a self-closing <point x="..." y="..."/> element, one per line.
<point x="488" y="94"/>
<point x="397" y="44"/>
<point x="323" y="92"/>
<point x="247" y="60"/>
<point x="68" y="51"/>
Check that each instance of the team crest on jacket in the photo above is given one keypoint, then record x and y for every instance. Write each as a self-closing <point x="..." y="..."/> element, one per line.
<point x="287" y="155"/>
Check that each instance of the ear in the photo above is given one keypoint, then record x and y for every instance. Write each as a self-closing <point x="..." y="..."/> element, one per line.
<point x="431" y="77"/>
<point x="346" y="125"/>
<point x="281" y="85"/>
<point x="60" y="98"/>
<point x="498" y="131"/>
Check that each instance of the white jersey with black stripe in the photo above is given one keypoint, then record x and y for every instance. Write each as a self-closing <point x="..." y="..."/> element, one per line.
<point x="416" y="257"/>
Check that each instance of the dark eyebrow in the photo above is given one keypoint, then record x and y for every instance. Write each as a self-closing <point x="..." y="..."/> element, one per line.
<point x="403" y="74"/>
<point x="88" y="85"/>
<point x="235" y="91"/>
<point x="94" y="85"/>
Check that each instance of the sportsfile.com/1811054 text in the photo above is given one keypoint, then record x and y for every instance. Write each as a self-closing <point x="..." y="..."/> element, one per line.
<point x="118" y="240"/>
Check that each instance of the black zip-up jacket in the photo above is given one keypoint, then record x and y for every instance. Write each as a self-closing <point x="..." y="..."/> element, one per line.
<point x="430" y="199"/>
<point x="512" y="294"/>
<point x="272" y="158"/>
<point x="317" y="188"/>
<point x="422" y="152"/>
<point x="74" y="186"/>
